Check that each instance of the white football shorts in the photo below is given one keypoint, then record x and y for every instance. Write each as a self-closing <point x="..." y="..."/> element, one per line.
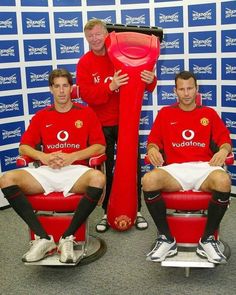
<point x="190" y="175"/>
<point x="57" y="180"/>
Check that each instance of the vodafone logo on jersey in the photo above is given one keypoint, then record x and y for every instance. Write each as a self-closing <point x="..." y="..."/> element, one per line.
<point x="188" y="136"/>
<point x="62" y="135"/>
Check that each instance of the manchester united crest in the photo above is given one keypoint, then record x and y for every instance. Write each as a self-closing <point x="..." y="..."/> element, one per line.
<point x="122" y="222"/>
<point x="78" y="124"/>
<point x="204" y="121"/>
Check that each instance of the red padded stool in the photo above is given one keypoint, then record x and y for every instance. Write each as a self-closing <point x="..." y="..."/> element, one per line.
<point x="55" y="213"/>
<point x="187" y="216"/>
<point x="187" y="222"/>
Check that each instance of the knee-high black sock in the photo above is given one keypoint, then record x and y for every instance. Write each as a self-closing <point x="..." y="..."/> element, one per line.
<point x="216" y="210"/>
<point x="23" y="208"/>
<point x="85" y="207"/>
<point x="157" y="208"/>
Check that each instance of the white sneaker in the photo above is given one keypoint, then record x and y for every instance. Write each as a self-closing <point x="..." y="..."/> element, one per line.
<point x="210" y="249"/>
<point x="66" y="249"/>
<point x="162" y="249"/>
<point x="39" y="249"/>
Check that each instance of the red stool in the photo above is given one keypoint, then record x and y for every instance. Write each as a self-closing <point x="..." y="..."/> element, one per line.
<point x="187" y="221"/>
<point x="55" y="213"/>
<point x="187" y="216"/>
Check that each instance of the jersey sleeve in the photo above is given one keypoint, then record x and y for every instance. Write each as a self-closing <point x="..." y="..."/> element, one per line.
<point x="220" y="133"/>
<point x="151" y="87"/>
<point x="155" y="135"/>
<point x="32" y="136"/>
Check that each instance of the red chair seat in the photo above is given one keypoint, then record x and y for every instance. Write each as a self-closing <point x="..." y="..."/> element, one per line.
<point x="186" y="200"/>
<point x="54" y="202"/>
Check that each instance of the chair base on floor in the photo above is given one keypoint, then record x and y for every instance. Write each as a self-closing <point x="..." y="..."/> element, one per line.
<point x="86" y="253"/>
<point x="187" y="258"/>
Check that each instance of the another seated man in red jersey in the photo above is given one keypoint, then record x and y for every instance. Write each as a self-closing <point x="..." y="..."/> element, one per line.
<point x="99" y="85"/>
<point x="193" y="142"/>
<point x="68" y="132"/>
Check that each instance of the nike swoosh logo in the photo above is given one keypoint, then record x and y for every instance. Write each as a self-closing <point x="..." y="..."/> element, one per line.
<point x="48" y="125"/>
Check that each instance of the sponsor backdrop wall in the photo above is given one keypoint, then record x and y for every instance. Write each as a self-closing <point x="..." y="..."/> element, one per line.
<point x="37" y="36"/>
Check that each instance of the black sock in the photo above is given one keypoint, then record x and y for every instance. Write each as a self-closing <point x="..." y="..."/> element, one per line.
<point x="23" y="208"/>
<point x="216" y="210"/>
<point x="157" y="208"/>
<point x="85" y="207"/>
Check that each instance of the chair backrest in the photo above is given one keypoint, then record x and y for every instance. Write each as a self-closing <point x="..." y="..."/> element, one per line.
<point x="199" y="99"/>
<point x="75" y="92"/>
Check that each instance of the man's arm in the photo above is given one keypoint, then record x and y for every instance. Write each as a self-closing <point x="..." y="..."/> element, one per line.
<point x="58" y="159"/>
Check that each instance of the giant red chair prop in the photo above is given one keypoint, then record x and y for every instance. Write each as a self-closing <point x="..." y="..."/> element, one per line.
<point x="186" y="216"/>
<point x="55" y="213"/>
<point x="131" y="49"/>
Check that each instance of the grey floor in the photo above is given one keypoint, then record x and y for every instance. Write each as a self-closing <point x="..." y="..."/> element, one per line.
<point x="122" y="270"/>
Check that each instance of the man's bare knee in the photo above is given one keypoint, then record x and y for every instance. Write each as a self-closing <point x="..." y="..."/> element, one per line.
<point x="217" y="180"/>
<point x="9" y="178"/>
<point x="152" y="180"/>
<point x="222" y="182"/>
<point x="97" y="179"/>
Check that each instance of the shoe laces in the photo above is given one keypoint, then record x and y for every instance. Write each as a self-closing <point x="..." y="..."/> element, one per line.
<point x="215" y="244"/>
<point x="36" y="242"/>
<point x="159" y="241"/>
<point x="67" y="244"/>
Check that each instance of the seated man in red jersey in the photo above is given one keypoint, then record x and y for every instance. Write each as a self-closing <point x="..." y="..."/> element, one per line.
<point x="193" y="142"/>
<point x="68" y="132"/>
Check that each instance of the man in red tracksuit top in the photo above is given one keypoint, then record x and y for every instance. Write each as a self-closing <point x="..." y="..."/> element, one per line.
<point x="99" y="87"/>
<point x="69" y="134"/>
<point x="193" y="142"/>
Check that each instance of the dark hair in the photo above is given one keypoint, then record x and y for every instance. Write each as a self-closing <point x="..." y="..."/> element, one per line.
<point x="185" y="75"/>
<point x="93" y="22"/>
<point x="57" y="73"/>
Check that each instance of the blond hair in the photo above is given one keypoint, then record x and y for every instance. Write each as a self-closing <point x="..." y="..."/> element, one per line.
<point x="93" y="22"/>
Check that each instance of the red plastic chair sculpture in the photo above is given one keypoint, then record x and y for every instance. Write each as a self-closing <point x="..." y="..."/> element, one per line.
<point x="55" y="213"/>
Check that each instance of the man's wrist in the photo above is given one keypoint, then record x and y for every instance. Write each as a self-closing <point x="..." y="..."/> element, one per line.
<point x="111" y="87"/>
<point x="226" y="148"/>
